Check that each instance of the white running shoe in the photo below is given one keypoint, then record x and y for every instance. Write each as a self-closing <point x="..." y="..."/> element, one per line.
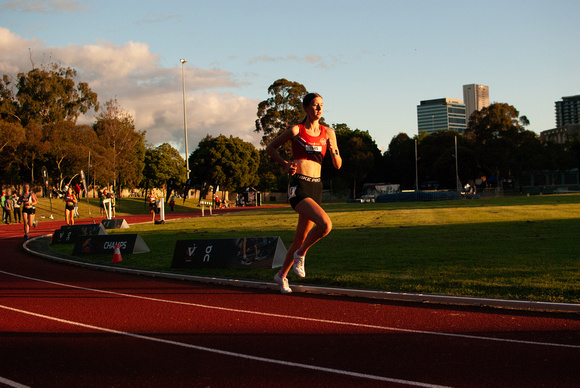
<point x="298" y="266"/>
<point x="283" y="283"/>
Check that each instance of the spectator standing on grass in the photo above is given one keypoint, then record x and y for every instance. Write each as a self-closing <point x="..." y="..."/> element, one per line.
<point x="77" y="192"/>
<point x="70" y="201"/>
<point x="28" y="201"/>
<point x="2" y="199"/>
<point x="16" y="207"/>
<point x="102" y="197"/>
<point x="101" y="203"/>
<point x="7" y="209"/>
<point x="113" y="204"/>
<point x="76" y="211"/>
<point x="310" y="142"/>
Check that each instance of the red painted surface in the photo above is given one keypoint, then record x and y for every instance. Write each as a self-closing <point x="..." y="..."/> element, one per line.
<point x="65" y="326"/>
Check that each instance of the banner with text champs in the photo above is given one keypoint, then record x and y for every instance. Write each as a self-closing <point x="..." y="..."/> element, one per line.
<point x="245" y="252"/>
<point x="128" y="243"/>
<point x="67" y="234"/>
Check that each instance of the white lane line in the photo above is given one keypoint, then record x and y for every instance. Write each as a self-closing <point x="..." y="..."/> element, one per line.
<point x="12" y="384"/>
<point x="227" y="353"/>
<point x="325" y="321"/>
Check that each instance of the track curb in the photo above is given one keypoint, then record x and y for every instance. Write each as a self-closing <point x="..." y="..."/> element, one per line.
<point x="44" y="251"/>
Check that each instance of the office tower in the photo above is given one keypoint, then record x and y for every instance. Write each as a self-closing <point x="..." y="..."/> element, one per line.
<point x="567" y="111"/>
<point x="441" y="114"/>
<point x="476" y="97"/>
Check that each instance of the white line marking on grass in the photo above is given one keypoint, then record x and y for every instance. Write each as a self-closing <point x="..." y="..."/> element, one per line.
<point x="325" y="321"/>
<point x="227" y="353"/>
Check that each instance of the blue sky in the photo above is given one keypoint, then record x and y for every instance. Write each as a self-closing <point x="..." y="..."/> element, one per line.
<point x="373" y="61"/>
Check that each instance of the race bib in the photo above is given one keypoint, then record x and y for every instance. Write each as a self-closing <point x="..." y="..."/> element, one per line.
<point x="313" y="149"/>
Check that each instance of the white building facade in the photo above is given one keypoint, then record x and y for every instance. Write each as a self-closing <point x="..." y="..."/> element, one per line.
<point x="475" y="97"/>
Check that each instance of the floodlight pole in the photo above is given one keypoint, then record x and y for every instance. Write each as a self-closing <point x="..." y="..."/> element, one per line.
<point x="416" y="169"/>
<point x="457" y="181"/>
<point x="183" y="62"/>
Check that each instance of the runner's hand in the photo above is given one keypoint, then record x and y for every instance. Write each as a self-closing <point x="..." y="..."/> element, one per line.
<point x="291" y="168"/>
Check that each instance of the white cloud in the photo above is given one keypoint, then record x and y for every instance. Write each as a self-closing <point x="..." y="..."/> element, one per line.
<point x="269" y="59"/>
<point x="152" y="94"/>
<point x="315" y="60"/>
<point x="15" y="52"/>
<point x="44" y="6"/>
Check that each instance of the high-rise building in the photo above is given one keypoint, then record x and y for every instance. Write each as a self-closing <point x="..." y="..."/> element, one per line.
<point x="476" y="97"/>
<point x="442" y="114"/>
<point x="567" y="111"/>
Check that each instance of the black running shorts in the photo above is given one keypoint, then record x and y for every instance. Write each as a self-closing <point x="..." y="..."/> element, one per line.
<point x="29" y="210"/>
<point x="302" y="186"/>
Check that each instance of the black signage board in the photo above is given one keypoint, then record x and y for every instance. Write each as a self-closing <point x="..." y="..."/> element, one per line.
<point x="128" y="243"/>
<point x="67" y="234"/>
<point x="245" y="252"/>
<point x="115" y="223"/>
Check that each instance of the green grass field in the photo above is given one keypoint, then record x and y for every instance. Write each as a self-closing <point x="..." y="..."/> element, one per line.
<point x="519" y="248"/>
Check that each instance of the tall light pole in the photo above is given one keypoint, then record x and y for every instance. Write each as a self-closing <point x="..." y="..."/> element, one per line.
<point x="416" y="169"/>
<point x="183" y="62"/>
<point x="457" y="181"/>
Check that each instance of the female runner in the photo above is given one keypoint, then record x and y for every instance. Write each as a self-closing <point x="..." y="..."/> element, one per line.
<point x="28" y="200"/>
<point x="70" y="200"/>
<point x="310" y="142"/>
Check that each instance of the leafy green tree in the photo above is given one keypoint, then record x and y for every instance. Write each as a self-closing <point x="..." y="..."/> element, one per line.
<point x="496" y="120"/>
<point x="8" y="103"/>
<point x="360" y="157"/>
<point x="162" y="163"/>
<point x="282" y="110"/>
<point x="120" y="151"/>
<point x="399" y="162"/>
<point x="230" y="163"/>
<point x="279" y="112"/>
<point x="50" y="95"/>
<point x="437" y="159"/>
<point x="272" y="177"/>
<point x="43" y="96"/>
<point x="68" y="147"/>
<point x="557" y="159"/>
<point x="496" y="133"/>
<point x="33" y="149"/>
<point x="531" y="153"/>
<point x="573" y="147"/>
<point x="11" y="136"/>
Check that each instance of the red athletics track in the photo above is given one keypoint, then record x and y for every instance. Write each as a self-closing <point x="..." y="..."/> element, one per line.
<point x="66" y="326"/>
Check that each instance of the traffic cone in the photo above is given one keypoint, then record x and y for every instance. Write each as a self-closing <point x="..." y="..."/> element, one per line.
<point x="117" y="254"/>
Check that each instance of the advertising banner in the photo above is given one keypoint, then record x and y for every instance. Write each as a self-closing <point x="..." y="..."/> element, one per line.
<point x="115" y="223"/>
<point x="67" y="234"/>
<point x="245" y="252"/>
<point x="128" y="243"/>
